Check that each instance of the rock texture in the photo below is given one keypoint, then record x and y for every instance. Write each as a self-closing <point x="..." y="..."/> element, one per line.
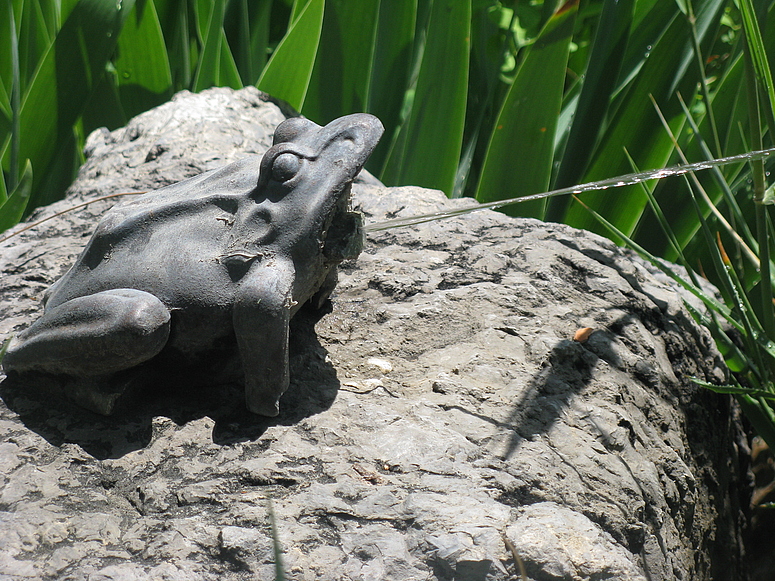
<point x="441" y="423"/>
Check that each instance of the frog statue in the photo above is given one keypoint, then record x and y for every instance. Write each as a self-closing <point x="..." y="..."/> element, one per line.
<point x="232" y="253"/>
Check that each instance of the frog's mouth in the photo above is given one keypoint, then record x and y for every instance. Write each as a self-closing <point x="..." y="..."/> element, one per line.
<point x="343" y="235"/>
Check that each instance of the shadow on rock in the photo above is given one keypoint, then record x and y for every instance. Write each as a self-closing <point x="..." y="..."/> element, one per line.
<point x="566" y="371"/>
<point x="180" y="394"/>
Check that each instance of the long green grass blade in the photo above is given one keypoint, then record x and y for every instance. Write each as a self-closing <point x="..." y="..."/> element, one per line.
<point x="174" y="22"/>
<point x="663" y="223"/>
<point x="344" y="62"/>
<point x="519" y="156"/>
<point x="228" y="73"/>
<point x="142" y="66"/>
<point x="428" y="146"/>
<point x="5" y="110"/>
<point x="751" y="328"/>
<point x="12" y="210"/>
<point x="3" y="188"/>
<point x="287" y="74"/>
<point x="7" y="33"/>
<point x="34" y="39"/>
<point x="720" y="180"/>
<point x="296" y="10"/>
<point x="246" y="25"/>
<point x="203" y="12"/>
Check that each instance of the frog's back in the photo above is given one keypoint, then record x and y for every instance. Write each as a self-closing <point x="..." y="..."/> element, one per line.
<point x="169" y="242"/>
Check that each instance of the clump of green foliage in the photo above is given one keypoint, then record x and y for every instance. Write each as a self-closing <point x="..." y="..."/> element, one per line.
<point x="492" y="99"/>
<point x="743" y="325"/>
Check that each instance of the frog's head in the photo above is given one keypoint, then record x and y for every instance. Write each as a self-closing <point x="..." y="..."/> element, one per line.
<point x="307" y="174"/>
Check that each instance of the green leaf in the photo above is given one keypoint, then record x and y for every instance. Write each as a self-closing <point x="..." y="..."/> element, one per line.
<point x="428" y="146"/>
<point x="519" y="156"/>
<point x="142" y="66"/>
<point x="174" y="23"/>
<point x="599" y="83"/>
<point x="287" y="74"/>
<point x="758" y="52"/>
<point x="390" y="71"/>
<point x="209" y="69"/>
<point x="246" y="26"/>
<point x="344" y="60"/>
<point x="229" y="74"/>
<point x="34" y="40"/>
<point x="3" y="187"/>
<point x="15" y="102"/>
<point x="68" y="72"/>
<point x="735" y="389"/>
<point x="761" y="416"/>
<point x="259" y="39"/>
<point x="296" y="10"/>
<point x="635" y="126"/>
<point x="103" y="109"/>
<point x="12" y="210"/>
<point x="5" y="109"/>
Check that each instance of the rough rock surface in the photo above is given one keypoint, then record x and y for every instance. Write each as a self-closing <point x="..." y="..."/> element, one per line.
<point x="439" y="416"/>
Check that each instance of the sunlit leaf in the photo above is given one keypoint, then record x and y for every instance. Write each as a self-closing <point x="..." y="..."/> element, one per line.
<point x="209" y="69"/>
<point x="70" y="69"/>
<point x="635" y="126"/>
<point x="142" y="67"/>
<point x="428" y="146"/>
<point x="519" y="156"/>
<point x="392" y="59"/>
<point x="599" y="83"/>
<point x="287" y="74"/>
<point x="344" y="61"/>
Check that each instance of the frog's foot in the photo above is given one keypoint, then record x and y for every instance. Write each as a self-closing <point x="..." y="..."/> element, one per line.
<point x="93" y="336"/>
<point x="263" y="407"/>
<point x="261" y="314"/>
<point x="105" y="395"/>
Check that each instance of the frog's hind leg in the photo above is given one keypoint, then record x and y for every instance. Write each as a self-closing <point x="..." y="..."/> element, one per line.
<point x="93" y="336"/>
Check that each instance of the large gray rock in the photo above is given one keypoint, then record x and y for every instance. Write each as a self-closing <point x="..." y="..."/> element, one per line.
<point x="439" y="416"/>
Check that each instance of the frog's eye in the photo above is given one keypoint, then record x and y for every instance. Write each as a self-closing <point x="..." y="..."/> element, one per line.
<point x="285" y="166"/>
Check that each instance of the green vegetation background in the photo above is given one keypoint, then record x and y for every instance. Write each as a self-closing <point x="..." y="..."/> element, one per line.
<point x="491" y="99"/>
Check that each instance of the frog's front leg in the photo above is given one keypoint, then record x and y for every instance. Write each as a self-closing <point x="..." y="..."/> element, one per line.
<point x="94" y="335"/>
<point x="262" y="313"/>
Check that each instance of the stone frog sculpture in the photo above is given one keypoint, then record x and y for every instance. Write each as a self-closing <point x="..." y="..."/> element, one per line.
<point x="231" y="253"/>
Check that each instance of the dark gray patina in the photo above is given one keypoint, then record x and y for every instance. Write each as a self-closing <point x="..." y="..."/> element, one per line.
<point x="188" y="267"/>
